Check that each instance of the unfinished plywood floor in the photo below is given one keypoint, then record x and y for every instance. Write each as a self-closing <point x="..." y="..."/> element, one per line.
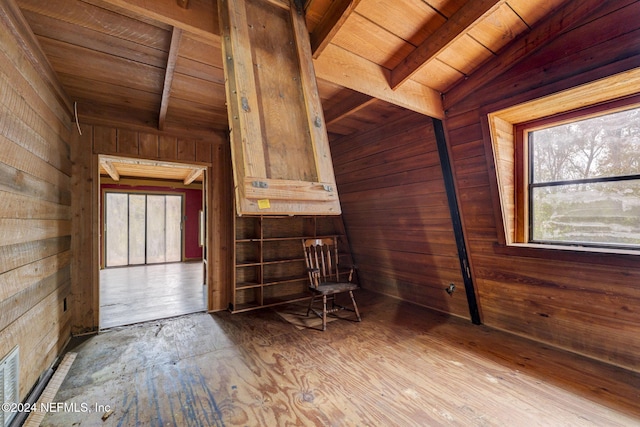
<point x="401" y="366"/>
<point x="148" y="292"/>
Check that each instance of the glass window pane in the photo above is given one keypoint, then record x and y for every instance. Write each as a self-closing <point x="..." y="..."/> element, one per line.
<point x="137" y="244"/>
<point x="174" y="229"/>
<point x="595" y="213"/>
<point x="602" y="146"/>
<point x="116" y="229"/>
<point x="155" y="229"/>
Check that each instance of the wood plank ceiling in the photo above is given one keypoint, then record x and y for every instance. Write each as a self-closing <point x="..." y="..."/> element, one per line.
<point x="158" y="64"/>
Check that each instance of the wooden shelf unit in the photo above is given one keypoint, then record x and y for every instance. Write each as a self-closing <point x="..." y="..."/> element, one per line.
<point x="269" y="260"/>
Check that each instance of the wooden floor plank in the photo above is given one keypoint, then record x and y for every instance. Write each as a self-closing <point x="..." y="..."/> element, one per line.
<point x="141" y="293"/>
<point x="402" y="365"/>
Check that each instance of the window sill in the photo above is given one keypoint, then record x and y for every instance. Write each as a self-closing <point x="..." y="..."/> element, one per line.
<point x="612" y="257"/>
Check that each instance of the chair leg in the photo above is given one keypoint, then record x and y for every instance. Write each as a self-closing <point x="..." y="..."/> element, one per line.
<point x="324" y="312"/>
<point x="313" y="297"/>
<point x="355" y="306"/>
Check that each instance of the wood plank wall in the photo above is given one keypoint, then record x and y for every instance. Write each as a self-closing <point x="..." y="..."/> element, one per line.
<point x="577" y="301"/>
<point x="396" y="213"/>
<point x="35" y="202"/>
<point x="99" y="139"/>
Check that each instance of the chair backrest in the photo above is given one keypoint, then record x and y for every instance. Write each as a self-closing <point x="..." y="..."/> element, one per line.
<point x="321" y="255"/>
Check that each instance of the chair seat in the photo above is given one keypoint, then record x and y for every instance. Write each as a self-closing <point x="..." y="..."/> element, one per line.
<point x="329" y="288"/>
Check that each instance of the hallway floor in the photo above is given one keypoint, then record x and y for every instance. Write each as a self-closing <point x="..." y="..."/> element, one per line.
<point x="141" y="293"/>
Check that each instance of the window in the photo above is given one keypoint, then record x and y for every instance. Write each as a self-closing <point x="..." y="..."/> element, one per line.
<point x="142" y="228"/>
<point x="578" y="178"/>
<point x="567" y="173"/>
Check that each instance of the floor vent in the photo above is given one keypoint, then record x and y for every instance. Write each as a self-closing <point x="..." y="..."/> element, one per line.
<point x="9" y="392"/>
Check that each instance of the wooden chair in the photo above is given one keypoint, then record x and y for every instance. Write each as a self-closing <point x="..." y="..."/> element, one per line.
<point x="321" y="256"/>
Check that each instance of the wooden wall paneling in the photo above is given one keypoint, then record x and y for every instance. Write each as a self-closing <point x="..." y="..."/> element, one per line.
<point x="110" y="115"/>
<point x="548" y="35"/>
<point x="128" y="141"/>
<point x="35" y="216"/>
<point x="204" y="151"/>
<point x="148" y="146"/>
<point x="396" y="213"/>
<point x="578" y="301"/>
<point x="168" y="147"/>
<point x="104" y="140"/>
<point x="32" y="283"/>
<point x="85" y="181"/>
<point x="37" y="134"/>
<point x="51" y="99"/>
<point x="186" y="149"/>
<point x="41" y="332"/>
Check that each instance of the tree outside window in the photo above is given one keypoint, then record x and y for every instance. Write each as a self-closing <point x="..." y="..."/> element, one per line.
<point x="584" y="180"/>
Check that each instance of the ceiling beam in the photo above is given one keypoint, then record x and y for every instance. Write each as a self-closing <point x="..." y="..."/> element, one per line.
<point x="168" y="76"/>
<point x="352" y="104"/>
<point x="331" y="22"/>
<point x="344" y="68"/>
<point x="195" y="173"/>
<point x="200" y="19"/>
<point x="455" y="27"/>
<point x="110" y="169"/>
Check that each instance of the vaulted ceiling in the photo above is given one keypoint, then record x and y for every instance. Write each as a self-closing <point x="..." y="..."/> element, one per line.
<point x="158" y="64"/>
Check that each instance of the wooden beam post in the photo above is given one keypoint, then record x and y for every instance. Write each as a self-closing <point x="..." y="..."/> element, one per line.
<point x="192" y="176"/>
<point x="344" y="68"/>
<point x="444" y="36"/>
<point x="201" y="19"/>
<point x="111" y="170"/>
<point x="168" y="76"/>
<point x="331" y="22"/>
<point x="458" y="229"/>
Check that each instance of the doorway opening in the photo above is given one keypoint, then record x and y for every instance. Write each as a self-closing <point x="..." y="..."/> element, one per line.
<point x="152" y="254"/>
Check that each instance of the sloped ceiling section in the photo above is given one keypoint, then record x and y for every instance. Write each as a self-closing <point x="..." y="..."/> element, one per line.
<point x="156" y="64"/>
